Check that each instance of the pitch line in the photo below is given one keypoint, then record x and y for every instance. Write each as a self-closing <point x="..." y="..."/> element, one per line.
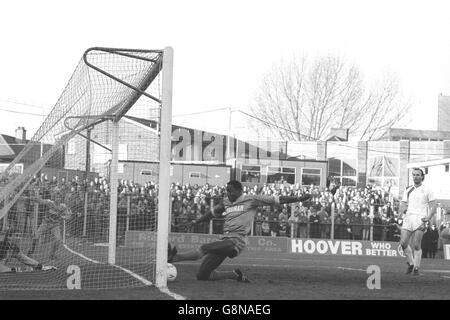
<point x="81" y="255"/>
<point x="131" y="273"/>
<point x="437" y="271"/>
<point x="350" y="269"/>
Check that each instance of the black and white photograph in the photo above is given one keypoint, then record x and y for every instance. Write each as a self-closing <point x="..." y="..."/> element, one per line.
<point x="220" y="157"/>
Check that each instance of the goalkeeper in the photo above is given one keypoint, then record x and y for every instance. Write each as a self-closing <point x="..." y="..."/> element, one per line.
<point x="9" y="249"/>
<point x="55" y="213"/>
<point x="238" y="211"/>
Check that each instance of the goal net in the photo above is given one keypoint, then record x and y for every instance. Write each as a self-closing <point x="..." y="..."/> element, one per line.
<point x="93" y="176"/>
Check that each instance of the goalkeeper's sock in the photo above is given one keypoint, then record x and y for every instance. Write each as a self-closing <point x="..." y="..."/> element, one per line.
<point x="409" y="255"/>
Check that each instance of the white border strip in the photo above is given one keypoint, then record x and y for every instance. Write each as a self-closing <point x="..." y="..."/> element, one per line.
<point x="350" y="269"/>
<point x="80" y="255"/>
<point x="131" y="273"/>
<point x="170" y="293"/>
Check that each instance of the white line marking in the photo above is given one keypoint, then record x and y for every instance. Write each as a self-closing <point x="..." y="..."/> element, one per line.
<point x="246" y="263"/>
<point x="173" y="295"/>
<point x="445" y="277"/>
<point x="131" y="273"/>
<point x="437" y="271"/>
<point x="351" y="269"/>
<point x="80" y="255"/>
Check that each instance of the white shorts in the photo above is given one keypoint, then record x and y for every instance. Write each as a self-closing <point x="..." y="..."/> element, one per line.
<point x="413" y="222"/>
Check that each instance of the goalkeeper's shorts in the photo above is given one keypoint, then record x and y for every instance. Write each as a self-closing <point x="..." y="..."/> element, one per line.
<point x="226" y="246"/>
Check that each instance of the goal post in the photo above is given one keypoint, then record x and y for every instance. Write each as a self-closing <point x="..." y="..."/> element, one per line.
<point x="112" y="241"/>
<point x="109" y="220"/>
<point x="164" y="170"/>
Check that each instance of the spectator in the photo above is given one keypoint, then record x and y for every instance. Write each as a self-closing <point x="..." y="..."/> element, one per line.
<point x="293" y="222"/>
<point x="366" y="226"/>
<point x="385" y="228"/>
<point x="274" y="226"/>
<point x="339" y="226"/>
<point x="258" y="224"/>
<point x="377" y="227"/>
<point x="347" y="229"/>
<point x="283" y="215"/>
<point x="283" y="228"/>
<point x="393" y="232"/>
<point x="323" y="221"/>
<point x="303" y="222"/>
<point x="193" y="200"/>
<point x="357" y="226"/>
<point x="434" y="239"/>
<point x="426" y="243"/>
<point x="265" y="227"/>
<point x="388" y="210"/>
<point x="314" y="223"/>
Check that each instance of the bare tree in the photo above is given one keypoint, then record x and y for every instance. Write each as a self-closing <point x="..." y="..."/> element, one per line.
<point x="303" y="100"/>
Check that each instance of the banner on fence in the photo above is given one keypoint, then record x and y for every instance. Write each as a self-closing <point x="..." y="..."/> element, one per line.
<point x="346" y="247"/>
<point x="267" y="245"/>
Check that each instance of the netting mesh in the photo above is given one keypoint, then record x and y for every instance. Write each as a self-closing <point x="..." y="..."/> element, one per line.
<point x="57" y="211"/>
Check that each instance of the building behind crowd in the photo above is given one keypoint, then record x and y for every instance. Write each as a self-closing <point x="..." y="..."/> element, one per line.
<point x="437" y="175"/>
<point x="443" y="113"/>
<point x="200" y="157"/>
<point x="380" y="163"/>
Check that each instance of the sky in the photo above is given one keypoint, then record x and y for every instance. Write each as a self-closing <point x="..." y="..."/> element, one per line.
<point x="221" y="49"/>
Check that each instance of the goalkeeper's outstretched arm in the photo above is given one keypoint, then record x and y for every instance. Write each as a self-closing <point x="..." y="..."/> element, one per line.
<point x="216" y="210"/>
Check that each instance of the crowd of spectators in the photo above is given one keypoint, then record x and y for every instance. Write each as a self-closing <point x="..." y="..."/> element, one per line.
<point x="357" y="210"/>
<point x="89" y="201"/>
<point x="359" y="213"/>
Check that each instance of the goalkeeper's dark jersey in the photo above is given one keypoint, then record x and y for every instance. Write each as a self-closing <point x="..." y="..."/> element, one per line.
<point x="239" y="215"/>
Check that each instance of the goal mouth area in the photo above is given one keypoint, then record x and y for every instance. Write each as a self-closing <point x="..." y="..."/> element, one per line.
<point x="119" y="100"/>
<point x="94" y="277"/>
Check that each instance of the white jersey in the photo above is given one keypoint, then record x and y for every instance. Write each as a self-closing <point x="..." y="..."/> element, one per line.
<point x="418" y="199"/>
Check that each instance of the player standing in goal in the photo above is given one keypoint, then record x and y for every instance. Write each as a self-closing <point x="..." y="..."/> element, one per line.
<point x="8" y="249"/>
<point x="238" y="212"/>
<point x="55" y="212"/>
<point x="417" y="199"/>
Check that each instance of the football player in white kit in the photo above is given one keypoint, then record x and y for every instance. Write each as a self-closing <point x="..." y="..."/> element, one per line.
<point x="420" y="205"/>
